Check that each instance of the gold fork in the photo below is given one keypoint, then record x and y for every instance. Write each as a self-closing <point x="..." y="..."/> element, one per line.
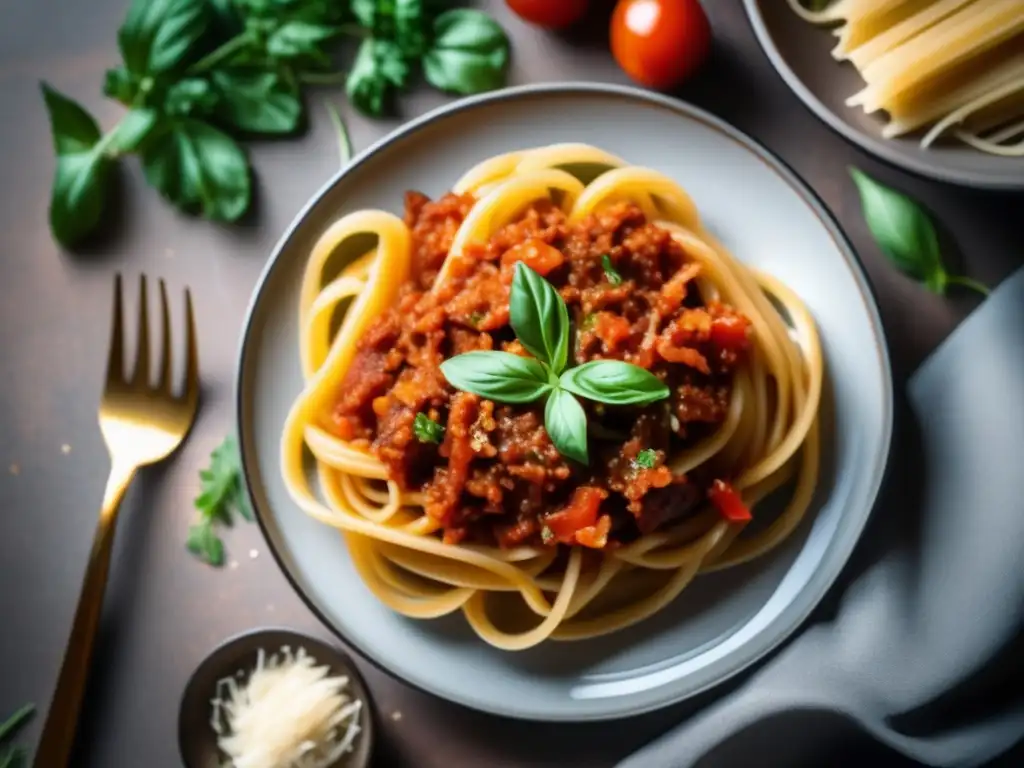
<point x="141" y="424"/>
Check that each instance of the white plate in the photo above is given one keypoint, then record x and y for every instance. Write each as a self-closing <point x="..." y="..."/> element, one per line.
<point x="721" y="623"/>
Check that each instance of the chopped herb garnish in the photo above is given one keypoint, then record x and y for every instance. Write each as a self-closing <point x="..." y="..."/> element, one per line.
<point x="645" y="459"/>
<point x="221" y="493"/>
<point x="426" y="429"/>
<point x="547" y="535"/>
<point x="475" y="318"/>
<point x="589" y="321"/>
<point x="609" y="271"/>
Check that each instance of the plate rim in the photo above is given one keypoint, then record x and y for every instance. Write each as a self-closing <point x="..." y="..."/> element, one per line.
<point x="876" y="147"/>
<point x="687" y="111"/>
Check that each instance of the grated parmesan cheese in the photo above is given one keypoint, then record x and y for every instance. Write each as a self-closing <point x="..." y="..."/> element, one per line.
<point x="288" y="714"/>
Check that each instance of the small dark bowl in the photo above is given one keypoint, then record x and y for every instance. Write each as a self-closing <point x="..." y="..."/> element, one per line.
<point x="196" y="739"/>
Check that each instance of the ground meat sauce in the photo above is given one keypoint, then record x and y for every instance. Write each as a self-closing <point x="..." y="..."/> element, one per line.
<point x="496" y="477"/>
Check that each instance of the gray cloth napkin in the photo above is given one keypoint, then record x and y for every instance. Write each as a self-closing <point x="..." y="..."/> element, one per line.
<point x="923" y="652"/>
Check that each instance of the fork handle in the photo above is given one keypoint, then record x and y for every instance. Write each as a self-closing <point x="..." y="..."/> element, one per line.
<point x="58" y="737"/>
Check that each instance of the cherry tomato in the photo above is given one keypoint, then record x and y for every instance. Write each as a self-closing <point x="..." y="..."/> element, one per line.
<point x="553" y="14"/>
<point x="659" y="43"/>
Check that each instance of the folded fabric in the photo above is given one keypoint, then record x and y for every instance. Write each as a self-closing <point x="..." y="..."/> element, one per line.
<point x="924" y="652"/>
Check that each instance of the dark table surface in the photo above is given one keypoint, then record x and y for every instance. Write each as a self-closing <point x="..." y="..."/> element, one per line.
<point x="165" y="610"/>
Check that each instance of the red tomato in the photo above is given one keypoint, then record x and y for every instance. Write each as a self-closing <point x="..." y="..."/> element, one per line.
<point x="659" y="43"/>
<point x="579" y="513"/>
<point x="553" y="14"/>
<point x="728" y="502"/>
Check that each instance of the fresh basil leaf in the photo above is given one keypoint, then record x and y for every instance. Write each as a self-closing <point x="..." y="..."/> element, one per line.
<point x="378" y="67"/>
<point x="198" y="168"/>
<point x="226" y="14"/>
<point x="133" y="129"/>
<point x="80" y="178"/>
<point x="614" y="382"/>
<point x="539" y="317"/>
<point x="469" y="53"/>
<point x="191" y="96"/>
<point x="903" y="231"/>
<point x="122" y="85"/>
<point x="298" y="39"/>
<point x="499" y="376"/>
<point x="258" y="102"/>
<point x="158" y="35"/>
<point x="566" y="425"/>
<point x="404" y="21"/>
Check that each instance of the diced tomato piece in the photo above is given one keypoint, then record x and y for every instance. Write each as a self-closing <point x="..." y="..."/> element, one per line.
<point x="536" y="254"/>
<point x="730" y="332"/>
<point x="611" y="329"/>
<point x="579" y="513"/>
<point x="595" y="536"/>
<point x="454" y="535"/>
<point x="728" y="502"/>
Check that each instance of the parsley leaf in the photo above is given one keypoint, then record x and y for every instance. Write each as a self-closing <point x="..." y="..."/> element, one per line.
<point x="426" y="429"/>
<point x="646" y="459"/>
<point x="609" y="271"/>
<point x="222" y="494"/>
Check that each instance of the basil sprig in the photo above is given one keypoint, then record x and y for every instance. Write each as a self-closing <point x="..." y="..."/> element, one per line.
<point x="906" y="235"/>
<point x="199" y="76"/>
<point x="540" y="320"/>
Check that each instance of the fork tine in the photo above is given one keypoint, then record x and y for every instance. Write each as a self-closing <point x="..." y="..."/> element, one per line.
<point x="115" y="358"/>
<point x="192" y="355"/>
<point x="165" y="341"/>
<point x="141" y="375"/>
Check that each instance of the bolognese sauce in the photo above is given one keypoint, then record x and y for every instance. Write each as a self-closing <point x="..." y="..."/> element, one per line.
<point x="494" y="476"/>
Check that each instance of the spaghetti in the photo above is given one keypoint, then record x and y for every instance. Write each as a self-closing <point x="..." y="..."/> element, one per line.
<point x="515" y="586"/>
<point x="950" y="66"/>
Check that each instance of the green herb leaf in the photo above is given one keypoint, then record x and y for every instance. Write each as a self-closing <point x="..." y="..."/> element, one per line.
<point x="193" y="96"/>
<point x="198" y="168"/>
<point x="614" y="382"/>
<point x="426" y="429"/>
<point x="404" y="21"/>
<point x="539" y="317"/>
<point x="80" y="178"/>
<point x="158" y="35"/>
<point x="609" y="271"/>
<point x="499" y="376"/>
<point x="566" y="425"/>
<point x="378" y="68"/>
<point x="205" y="544"/>
<point x="903" y="231"/>
<point x="344" y="143"/>
<point x="133" y="130"/>
<point x="11" y="725"/>
<point x="121" y="84"/>
<point x="646" y="459"/>
<point x="258" y="102"/>
<point x="221" y="493"/>
<point x="469" y="53"/>
<point x="300" y="39"/>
